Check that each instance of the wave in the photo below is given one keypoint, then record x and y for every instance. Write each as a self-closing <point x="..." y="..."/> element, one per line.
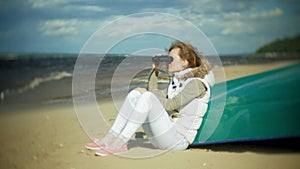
<point x="35" y="83"/>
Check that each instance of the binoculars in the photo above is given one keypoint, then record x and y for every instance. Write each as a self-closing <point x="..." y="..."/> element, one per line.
<point x="163" y="58"/>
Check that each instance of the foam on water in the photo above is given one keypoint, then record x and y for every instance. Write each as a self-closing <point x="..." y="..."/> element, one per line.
<point x="37" y="81"/>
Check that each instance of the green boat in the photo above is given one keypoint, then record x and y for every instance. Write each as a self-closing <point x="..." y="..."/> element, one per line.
<point x="258" y="107"/>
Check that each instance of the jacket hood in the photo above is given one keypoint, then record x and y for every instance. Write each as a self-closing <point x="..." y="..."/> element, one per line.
<point x="197" y="72"/>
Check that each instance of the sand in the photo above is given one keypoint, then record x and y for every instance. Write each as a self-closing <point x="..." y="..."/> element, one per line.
<point x="50" y="136"/>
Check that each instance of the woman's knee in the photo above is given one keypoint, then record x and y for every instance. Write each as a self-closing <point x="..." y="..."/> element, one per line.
<point x="137" y="94"/>
<point x="133" y="97"/>
<point x="147" y="94"/>
<point x="134" y="93"/>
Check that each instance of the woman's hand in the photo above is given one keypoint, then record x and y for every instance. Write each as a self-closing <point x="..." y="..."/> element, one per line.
<point x="155" y="65"/>
<point x="142" y="90"/>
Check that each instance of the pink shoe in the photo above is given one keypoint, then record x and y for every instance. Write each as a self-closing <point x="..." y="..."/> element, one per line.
<point x="96" y="145"/>
<point x="108" y="151"/>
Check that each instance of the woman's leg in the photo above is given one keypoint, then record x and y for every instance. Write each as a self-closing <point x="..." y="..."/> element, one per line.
<point x="159" y="128"/>
<point x="137" y="116"/>
<point x="125" y="112"/>
<point x="122" y="117"/>
<point x="131" y="116"/>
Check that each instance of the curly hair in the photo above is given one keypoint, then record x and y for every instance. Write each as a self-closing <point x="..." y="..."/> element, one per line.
<point x="195" y="60"/>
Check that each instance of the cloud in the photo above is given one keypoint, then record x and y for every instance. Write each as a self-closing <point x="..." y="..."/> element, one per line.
<point x="230" y="18"/>
<point x="217" y="7"/>
<point x="145" y="22"/>
<point x="59" y="27"/>
<point x="70" y="27"/>
<point x="93" y="8"/>
<point x="46" y="3"/>
<point x="237" y="28"/>
<point x="267" y="14"/>
<point x="232" y="15"/>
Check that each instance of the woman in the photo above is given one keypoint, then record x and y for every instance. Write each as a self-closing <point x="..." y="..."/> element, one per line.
<point x="170" y="118"/>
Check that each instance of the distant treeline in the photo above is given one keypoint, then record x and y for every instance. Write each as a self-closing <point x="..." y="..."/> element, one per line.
<point x="285" y="45"/>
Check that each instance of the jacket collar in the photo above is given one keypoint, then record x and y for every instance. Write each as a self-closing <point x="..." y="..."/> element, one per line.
<point x="196" y="73"/>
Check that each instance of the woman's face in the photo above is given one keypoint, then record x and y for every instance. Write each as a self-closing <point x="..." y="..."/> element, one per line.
<point x="177" y="64"/>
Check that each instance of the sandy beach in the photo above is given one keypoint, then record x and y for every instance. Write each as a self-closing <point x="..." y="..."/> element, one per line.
<point x="50" y="136"/>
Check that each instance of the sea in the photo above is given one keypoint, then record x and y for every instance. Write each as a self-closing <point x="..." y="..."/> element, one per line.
<point x="48" y="78"/>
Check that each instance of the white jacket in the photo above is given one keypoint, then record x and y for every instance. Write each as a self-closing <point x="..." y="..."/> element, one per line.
<point x="191" y="116"/>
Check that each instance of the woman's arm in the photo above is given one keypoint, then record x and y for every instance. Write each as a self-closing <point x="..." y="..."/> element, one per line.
<point x="195" y="88"/>
<point x="152" y="82"/>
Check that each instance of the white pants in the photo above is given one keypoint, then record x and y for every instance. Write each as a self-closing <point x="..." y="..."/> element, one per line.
<point x="144" y="109"/>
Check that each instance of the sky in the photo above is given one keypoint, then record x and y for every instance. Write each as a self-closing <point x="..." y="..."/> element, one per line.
<point x="64" y="26"/>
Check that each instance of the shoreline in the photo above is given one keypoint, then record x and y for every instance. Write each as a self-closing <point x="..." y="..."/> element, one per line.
<point x="238" y="71"/>
<point x="50" y="136"/>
